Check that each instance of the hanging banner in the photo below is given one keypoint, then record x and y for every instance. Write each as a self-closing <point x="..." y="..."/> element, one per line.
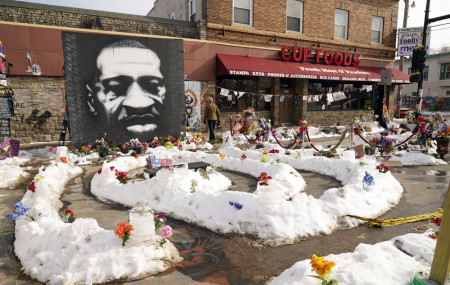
<point x="192" y="99"/>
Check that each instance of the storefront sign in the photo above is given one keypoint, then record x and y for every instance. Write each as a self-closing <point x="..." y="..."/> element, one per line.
<point x="4" y="128"/>
<point x="328" y="57"/>
<point x="409" y="38"/>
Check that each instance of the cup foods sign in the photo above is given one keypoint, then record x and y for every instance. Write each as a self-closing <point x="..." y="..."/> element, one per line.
<point x="409" y="38"/>
<point x="299" y="54"/>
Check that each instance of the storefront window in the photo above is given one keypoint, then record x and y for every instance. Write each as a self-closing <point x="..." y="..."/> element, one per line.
<point x="333" y="97"/>
<point x="241" y="93"/>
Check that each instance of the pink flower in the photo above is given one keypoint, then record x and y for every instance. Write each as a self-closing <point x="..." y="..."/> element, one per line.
<point x="420" y="119"/>
<point x="166" y="231"/>
<point x="436" y="221"/>
<point x="51" y="149"/>
<point x="243" y="156"/>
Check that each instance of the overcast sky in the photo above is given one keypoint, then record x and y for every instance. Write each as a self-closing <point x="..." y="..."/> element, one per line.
<point x="440" y="35"/>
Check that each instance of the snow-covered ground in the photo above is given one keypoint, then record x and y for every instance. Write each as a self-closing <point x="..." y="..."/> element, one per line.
<point x="278" y="213"/>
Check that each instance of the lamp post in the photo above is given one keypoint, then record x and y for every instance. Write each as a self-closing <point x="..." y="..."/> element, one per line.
<point x="402" y="58"/>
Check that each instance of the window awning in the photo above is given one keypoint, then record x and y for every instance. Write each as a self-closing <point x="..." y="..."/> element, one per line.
<point x="227" y="64"/>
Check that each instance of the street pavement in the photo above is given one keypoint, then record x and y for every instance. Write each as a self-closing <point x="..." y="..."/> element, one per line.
<point x="210" y="258"/>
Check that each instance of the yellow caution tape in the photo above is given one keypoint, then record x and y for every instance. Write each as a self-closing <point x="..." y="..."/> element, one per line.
<point x="397" y="221"/>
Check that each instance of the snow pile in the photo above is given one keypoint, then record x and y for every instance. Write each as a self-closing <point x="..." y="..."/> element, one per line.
<point x="390" y="262"/>
<point x="55" y="252"/>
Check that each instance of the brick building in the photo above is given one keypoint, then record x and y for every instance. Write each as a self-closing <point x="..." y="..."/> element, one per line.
<point x="257" y="30"/>
<point x="230" y="47"/>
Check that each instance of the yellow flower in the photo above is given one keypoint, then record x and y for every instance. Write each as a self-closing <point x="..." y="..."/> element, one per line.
<point x="188" y="129"/>
<point x="321" y="266"/>
<point x="83" y="148"/>
<point x="178" y="141"/>
<point x="198" y="134"/>
<point x="264" y="159"/>
<point x="38" y="178"/>
<point x="222" y="156"/>
<point x="265" y="152"/>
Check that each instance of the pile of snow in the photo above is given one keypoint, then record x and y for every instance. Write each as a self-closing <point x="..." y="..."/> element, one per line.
<point x="280" y="212"/>
<point x="55" y="252"/>
<point x="390" y="262"/>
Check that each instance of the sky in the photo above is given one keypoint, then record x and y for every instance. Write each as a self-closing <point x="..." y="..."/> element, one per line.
<point x="279" y="212"/>
<point x="440" y="34"/>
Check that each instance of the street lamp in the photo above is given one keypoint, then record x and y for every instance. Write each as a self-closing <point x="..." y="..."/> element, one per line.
<point x="402" y="58"/>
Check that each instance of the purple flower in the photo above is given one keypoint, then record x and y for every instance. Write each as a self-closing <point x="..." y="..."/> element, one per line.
<point x="238" y="206"/>
<point x="231" y="203"/>
<point x="161" y="216"/>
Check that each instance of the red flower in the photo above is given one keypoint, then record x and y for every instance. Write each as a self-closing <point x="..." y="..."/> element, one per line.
<point x="68" y="212"/>
<point x="99" y="171"/>
<point x="243" y="156"/>
<point x="436" y="221"/>
<point x="31" y="186"/>
<point x="433" y="236"/>
<point x="112" y="168"/>
<point x="123" y="228"/>
<point x="135" y="155"/>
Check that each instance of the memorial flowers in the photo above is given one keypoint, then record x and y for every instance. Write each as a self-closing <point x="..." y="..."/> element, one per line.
<point x="383" y="168"/>
<point x="123" y="231"/>
<point x="264" y="179"/>
<point x="31" y="186"/>
<point x="66" y="215"/>
<point x="160" y="220"/>
<point x="235" y="204"/>
<point x="165" y="232"/>
<point x="21" y="210"/>
<point x="243" y="156"/>
<point x="367" y="180"/>
<point x="193" y="185"/>
<point x="436" y="223"/>
<point x="322" y="268"/>
<point x="122" y="176"/>
<point x="222" y="156"/>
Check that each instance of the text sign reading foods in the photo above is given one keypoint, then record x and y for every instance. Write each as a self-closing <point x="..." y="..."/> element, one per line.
<point x="299" y="54"/>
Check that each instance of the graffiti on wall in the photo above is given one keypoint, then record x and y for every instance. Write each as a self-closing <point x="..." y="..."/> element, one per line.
<point x="192" y="110"/>
<point x="35" y="69"/>
<point x="38" y="121"/>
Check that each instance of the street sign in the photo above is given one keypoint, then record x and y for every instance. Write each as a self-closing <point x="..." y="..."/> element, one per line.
<point x="409" y="38"/>
<point x="386" y="77"/>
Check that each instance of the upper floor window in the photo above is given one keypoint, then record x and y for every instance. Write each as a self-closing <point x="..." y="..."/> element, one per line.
<point x="445" y="71"/>
<point x="294" y="15"/>
<point x="242" y="12"/>
<point x="340" y="24"/>
<point x="192" y="10"/>
<point x="377" y="30"/>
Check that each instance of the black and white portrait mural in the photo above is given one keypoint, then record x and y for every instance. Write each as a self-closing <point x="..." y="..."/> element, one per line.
<point x="126" y="87"/>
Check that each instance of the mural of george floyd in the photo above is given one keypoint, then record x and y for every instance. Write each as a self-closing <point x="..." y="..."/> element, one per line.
<point x="122" y="87"/>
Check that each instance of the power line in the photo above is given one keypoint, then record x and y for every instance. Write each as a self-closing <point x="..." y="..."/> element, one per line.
<point x="440" y="25"/>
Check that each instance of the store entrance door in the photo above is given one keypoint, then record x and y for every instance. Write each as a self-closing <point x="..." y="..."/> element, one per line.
<point x="286" y="105"/>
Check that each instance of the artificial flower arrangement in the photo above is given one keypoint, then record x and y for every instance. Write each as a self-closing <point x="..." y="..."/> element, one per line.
<point x="66" y="215"/>
<point x="322" y="268"/>
<point x="124" y="147"/>
<point x="250" y="111"/>
<point x="123" y="231"/>
<point x="165" y="231"/>
<point x="382" y="167"/>
<point x="367" y="181"/>
<point x="383" y="143"/>
<point x="21" y="210"/>
<point x="52" y="149"/>
<point x="120" y="175"/>
<point x="436" y="223"/>
<point x="264" y="179"/>
<point x="236" y="205"/>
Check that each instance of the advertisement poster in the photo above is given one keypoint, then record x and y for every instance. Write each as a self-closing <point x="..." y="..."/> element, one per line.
<point x="192" y="99"/>
<point x="123" y="87"/>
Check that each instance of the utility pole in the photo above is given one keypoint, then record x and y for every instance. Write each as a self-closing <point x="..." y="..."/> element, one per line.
<point x="424" y="44"/>
<point x="402" y="61"/>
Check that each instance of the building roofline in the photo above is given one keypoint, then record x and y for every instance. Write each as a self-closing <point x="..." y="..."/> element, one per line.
<point x="38" y="6"/>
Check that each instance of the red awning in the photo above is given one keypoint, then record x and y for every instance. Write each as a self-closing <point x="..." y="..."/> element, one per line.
<point x="227" y="64"/>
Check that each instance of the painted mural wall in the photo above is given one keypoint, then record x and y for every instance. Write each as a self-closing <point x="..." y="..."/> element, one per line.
<point x="122" y="87"/>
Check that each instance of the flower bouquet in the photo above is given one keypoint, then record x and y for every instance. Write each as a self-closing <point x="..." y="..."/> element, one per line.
<point x="384" y="144"/>
<point x="249" y="112"/>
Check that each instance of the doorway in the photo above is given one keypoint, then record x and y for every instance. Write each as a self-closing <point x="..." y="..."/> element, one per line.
<point x="286" y="105"/>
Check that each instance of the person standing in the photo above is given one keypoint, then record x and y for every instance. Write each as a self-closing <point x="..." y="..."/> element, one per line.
<point x="212" y="114"/>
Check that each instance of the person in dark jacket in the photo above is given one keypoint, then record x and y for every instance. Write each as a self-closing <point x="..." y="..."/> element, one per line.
<point x="212" y="115"/>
